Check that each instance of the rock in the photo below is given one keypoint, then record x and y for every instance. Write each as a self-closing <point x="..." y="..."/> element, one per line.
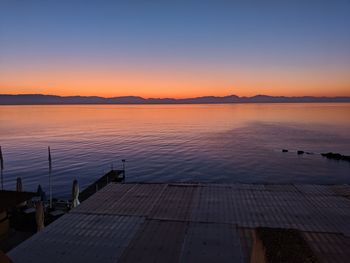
<point x="336" y="156"/>
<point x="284" y="150"/>
<point x="300" y="152"/>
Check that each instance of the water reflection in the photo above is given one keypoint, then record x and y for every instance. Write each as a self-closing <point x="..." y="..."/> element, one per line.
<point x="216" y="143"/>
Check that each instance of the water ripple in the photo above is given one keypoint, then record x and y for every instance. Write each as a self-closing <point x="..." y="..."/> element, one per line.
<point x="162" y="143"/>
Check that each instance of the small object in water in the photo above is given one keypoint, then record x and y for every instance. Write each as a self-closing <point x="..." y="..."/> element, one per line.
<point x="336" y="156"/>
<point x="300" y="152"/>
<point x="284" y="150"/>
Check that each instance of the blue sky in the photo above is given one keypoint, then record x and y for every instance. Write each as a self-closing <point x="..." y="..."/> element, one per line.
<point x="161" y="38"/>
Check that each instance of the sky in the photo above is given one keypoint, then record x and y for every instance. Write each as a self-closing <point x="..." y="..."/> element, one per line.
<point x="175" y="48"/>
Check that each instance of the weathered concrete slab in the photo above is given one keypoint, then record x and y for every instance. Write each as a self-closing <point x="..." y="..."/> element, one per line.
<point x="176" y="203"/>
<point x="208" y="242"/>
<point x="104" y="199"/>
<point x="214" y="204"/>
<point x="77" y="238"/>
<point x="329" y="247"/>
<point x="157" y="241"/>
<point x="192" y="223"/>
<point x="139" y="200"/>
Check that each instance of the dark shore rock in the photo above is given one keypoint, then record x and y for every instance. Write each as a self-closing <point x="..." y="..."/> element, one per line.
<point x="336" y="156"/>
<point x="300" y="152"/>
<point x="284" y="150"/>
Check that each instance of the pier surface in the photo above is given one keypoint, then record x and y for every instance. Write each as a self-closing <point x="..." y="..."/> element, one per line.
<point x="111" y="176"/>
<point x="192" y="223"/>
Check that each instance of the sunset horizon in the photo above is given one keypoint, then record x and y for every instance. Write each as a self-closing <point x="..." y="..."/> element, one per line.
<point x="174" y="131"/>
<point x="182" y="91"/>
<point x="145" y="49"/>
<point x="176" y="97"/>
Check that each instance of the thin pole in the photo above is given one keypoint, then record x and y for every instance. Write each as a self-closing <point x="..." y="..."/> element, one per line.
<point x="123" y="168"/>
<point x="50" y="170"/>
<point x="2" y="180"/>
<point x="2" y="168"/>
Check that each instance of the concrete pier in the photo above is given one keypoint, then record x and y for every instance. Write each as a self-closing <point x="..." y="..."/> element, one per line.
<point x="182" y="222"/>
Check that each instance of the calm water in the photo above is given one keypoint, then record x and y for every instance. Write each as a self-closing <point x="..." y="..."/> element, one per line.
<point x="202" y="143"/>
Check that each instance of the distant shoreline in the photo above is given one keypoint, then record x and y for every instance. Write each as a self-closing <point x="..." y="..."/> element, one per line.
<point x="39" y="99"/>
<point x="218" y="103"/>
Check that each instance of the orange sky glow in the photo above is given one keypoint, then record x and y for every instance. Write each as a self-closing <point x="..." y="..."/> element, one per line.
<point x="175" y="49"/>
<point x="177" y="84"/>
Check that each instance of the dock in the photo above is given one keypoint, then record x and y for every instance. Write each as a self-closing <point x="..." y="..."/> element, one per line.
<point x="182" y="222"/>
<point x="111" y="176"/>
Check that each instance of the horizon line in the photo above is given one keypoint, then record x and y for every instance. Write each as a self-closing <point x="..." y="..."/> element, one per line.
<point x="174" y="98"/>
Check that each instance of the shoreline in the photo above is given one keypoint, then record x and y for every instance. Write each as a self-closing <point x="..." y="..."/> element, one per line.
<point x="179" y="103"/>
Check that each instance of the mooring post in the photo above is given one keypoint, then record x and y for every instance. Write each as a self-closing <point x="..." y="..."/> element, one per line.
<point x="50" y="172"/>
<point x="123" y="169"/>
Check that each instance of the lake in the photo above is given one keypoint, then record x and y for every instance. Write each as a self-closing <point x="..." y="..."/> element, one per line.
<point x="221" y="143"/>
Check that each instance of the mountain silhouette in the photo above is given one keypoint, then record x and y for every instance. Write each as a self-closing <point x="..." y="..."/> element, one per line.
<point x="35" y="99"/>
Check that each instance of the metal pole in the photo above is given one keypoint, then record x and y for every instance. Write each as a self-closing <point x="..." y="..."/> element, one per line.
<point x="50" y="168"/>
<point x="2" y="168"/>
<point x="50" y="187"/>
<point x="2" y="180"/>
<point x="123" y="168"/>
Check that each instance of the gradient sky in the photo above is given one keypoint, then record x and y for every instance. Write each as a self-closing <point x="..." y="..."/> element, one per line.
<point x="175" y="48"/>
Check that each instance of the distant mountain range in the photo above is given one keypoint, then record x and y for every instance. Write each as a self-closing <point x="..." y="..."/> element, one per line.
<point x="34" y="99"/>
